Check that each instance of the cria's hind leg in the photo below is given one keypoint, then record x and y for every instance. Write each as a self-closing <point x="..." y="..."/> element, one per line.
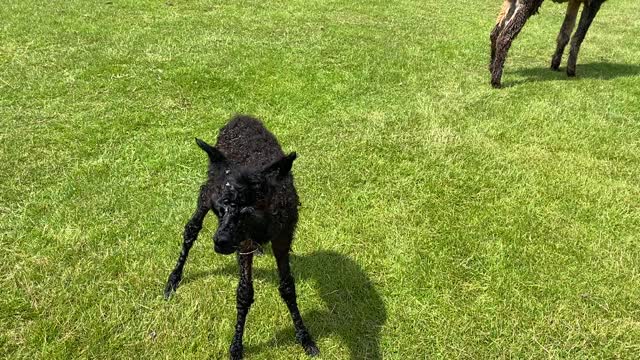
<point x="588" y="14"/>
<point x="287" y="290"/>
<point x="565" y="32"/>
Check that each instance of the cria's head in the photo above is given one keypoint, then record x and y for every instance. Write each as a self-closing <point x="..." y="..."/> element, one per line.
<point x="241" y="198"/>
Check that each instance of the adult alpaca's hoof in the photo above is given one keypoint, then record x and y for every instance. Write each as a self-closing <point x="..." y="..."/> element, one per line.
<point x="496" y="84"/>
<point x="235" y="352"/>
<point x="571" y="72"/>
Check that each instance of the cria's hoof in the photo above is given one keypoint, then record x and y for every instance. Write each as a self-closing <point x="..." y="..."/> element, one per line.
<point x="307" y="343"/>
<point x="172" y="285"/>
<point x="168" y="290"/>
<point x="496" y="85"/>
<point x="311" y="349"/>
<point x="571" y="72"/>
<point x="235" y="352"/>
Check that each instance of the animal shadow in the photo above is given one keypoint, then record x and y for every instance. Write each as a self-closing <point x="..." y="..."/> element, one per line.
<point x="354" y="311"/>
<point x="596" y="70"/>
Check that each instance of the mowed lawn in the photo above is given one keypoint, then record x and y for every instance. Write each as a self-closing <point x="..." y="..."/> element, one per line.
<point x="440" y="218"/>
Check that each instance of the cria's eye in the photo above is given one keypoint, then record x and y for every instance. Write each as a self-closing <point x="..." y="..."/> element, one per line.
<point x="218" y="209"/>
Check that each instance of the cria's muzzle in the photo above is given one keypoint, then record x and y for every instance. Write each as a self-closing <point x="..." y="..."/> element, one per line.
<point x="223" y="243"/>
<point x="225" y="239"/>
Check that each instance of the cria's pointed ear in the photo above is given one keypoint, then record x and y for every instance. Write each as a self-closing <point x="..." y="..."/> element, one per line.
<point x="281" y="167"/>
<point x="215" y="156"/>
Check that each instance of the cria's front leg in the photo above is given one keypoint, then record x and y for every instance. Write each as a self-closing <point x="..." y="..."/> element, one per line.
<point x="244" y="299"/>
<point x="190" y="235"/>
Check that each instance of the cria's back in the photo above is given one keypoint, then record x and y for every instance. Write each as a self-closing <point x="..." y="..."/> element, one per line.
<point x="245" y="141"/>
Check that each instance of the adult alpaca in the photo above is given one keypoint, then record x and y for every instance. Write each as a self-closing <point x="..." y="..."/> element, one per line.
<point x="250" y="189"/>
<point x="515" y="13"/>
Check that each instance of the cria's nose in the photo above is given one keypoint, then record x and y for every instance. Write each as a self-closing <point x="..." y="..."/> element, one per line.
<point x="221" y="238"/>
<point x="222" y="244"/>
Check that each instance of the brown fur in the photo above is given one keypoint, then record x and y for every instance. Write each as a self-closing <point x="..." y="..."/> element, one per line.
<point x="515" y="13"/>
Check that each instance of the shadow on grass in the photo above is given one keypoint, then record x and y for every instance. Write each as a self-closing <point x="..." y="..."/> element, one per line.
<point x="597" y="70"/>
<point x="353" y="308"/>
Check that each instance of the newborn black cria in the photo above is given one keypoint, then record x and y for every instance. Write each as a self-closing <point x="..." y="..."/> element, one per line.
<point x="250" y="189"/>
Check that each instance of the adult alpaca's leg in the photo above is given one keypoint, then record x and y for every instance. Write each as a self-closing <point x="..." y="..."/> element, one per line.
<point x="565" y="32"/>
<point x="588" y="14"/>
<point x="287" y="290"/>
<point x="191" y="230"/>
<point x="244" y="299"/>
<point x="506" y="12"/>
<point x="522" y="12"/>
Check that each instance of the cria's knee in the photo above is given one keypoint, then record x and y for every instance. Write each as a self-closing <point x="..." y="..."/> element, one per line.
<point x="244" y="297"/>
<point x="192" y="229"/>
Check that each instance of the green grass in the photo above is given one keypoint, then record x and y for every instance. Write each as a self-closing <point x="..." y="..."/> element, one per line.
<point x="440" y="218"/>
